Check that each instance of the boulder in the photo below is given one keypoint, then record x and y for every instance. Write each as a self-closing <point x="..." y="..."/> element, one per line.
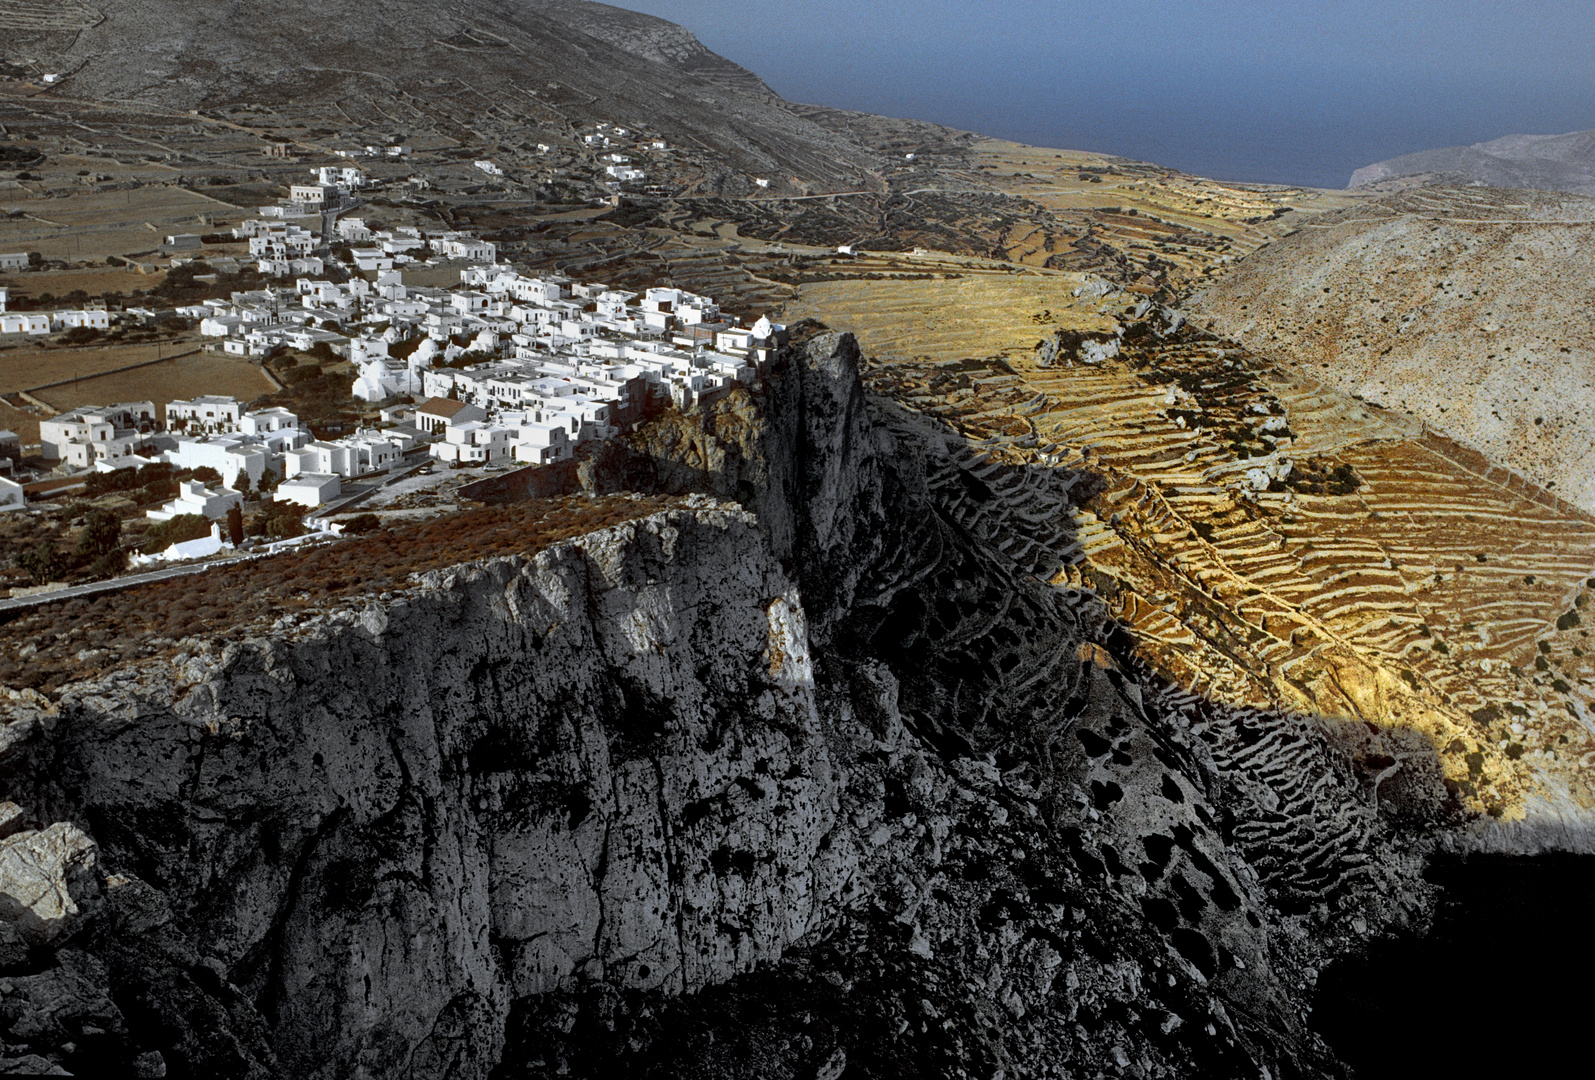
<point x="43" y="875"/>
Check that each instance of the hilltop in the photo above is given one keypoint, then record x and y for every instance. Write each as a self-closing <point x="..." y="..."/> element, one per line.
<point x="334" y="62"/>
<point x="1536" y="162"/>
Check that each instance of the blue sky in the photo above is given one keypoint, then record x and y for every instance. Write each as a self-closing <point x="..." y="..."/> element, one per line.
<point x="1235" y="89"/>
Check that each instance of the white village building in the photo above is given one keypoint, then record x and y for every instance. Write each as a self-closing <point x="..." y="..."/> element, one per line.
<point x="89" y="437"/>
<point x="194" y="497"/>
<point x="207" y="413"/>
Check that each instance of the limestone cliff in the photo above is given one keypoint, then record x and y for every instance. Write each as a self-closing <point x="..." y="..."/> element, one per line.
<point x="831" y="780"/>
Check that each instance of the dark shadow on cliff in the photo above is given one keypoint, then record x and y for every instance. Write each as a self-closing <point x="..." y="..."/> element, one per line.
<point x="1495" y="988"/>
<point x="926" y="571"/>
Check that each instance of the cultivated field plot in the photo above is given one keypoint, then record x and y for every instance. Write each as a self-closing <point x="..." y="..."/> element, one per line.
<point x="96" y="224"/>
<point x="96" y="282"/>
<point x="185" y="377"/>
<point x="1144" y="211"/>
<point x="22" y="368"/>
<point x="1393" y="577"/>
<point x="981" y="314"/>
<point x="24" y="423"/>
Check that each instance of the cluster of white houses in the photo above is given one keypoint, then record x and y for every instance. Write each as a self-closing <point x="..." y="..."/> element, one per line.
<point x="49" y="322"/>
<point x="218" y="433"/>
<point x="508" y="367"/>
<point x="543" y="363"/>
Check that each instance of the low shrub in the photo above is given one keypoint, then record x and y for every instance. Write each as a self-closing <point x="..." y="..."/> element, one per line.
<point x="221" y="602"/>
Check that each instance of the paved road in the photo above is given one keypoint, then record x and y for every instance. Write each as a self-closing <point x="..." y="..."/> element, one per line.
<point x="126" y="581"/>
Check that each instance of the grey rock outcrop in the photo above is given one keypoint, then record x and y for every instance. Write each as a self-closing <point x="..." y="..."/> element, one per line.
<point x="39" y="871"/>
<point x="821" y="782"/>
<point x="1466" y="308"/>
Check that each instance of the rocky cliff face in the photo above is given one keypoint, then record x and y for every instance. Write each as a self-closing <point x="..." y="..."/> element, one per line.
<point x="823" y="782"/>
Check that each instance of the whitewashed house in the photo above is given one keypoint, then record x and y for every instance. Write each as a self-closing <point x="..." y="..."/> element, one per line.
<point x="354" y="230"/>
<point x="83" y="437"/>
<point x="24" y="322"/>
<point x="207" y="413"/>
<point x="476" y="443"/>
<point x="230" y="455"/>
<point x="319" y="456"/>
<point x="309" y="489"/>
<point x="313" y="194"/>
<point x="194" y="497"/>
<point x="435" y="414"/>
<point x="542" y="444"/>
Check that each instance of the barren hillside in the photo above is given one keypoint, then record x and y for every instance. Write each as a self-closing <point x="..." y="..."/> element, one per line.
<point x="1469" y="309"/>
<point x="477" y="56"/>
<point x="1539" y="162"/>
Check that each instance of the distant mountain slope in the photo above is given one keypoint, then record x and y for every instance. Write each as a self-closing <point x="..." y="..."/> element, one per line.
<point x="654" y="39"/>
<point x="360" y="61"/>
<point x="1536" y="162"/>
<point x="1469" y="308"/>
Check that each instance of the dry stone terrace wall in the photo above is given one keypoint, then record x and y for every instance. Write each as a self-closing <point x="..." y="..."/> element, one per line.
<point x="1388" y="574"/>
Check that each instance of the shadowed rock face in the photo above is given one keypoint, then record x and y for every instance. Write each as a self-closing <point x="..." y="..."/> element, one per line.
<point x="832" y="784"/>
<point x="360" y="61"/>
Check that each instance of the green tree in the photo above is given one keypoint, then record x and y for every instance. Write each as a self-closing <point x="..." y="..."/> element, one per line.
<point x="79" y="335"/>
<point x="235" y="524"/>
<point x="102" y="533"/>
<point x="179" y="529"/>
<point x="278" y="520"/>
<point x="104" y="483"/>
<point x="110" y="564"/>
<point x="42" y="564"/>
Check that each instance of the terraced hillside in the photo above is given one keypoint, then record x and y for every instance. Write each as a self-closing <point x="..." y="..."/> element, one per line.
<point x="1270" y="540"/>
<point x="46" y="16"/>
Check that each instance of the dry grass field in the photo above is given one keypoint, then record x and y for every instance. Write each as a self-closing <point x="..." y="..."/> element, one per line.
<point x="95" y="281"/>
<point x="23" y="368"/>
<point x="24" y="423"/>
<point x="1185" y="221"/>
<point x="185" y="377"/>
<point x="983" y="314"/>
<point x="94" y="224"/>
<point x="436" y="277"/>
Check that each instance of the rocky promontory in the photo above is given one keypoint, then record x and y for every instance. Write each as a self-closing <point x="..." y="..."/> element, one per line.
<point x="799" y="778"/>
